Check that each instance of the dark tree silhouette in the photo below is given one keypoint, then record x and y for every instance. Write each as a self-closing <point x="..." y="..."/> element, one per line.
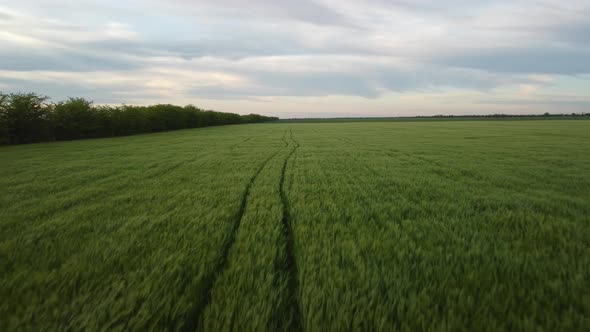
<point x="28" y="118"/>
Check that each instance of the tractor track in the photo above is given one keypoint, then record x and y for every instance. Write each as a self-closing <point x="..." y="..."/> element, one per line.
<point x="195" y="315"/>
<point x="291" y="263"/>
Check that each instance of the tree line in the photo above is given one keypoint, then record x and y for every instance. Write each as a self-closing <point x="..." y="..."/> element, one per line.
<point x="30" y="118"/>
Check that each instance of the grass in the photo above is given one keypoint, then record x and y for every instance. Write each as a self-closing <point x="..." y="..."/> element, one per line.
<point x="471" y="225"/>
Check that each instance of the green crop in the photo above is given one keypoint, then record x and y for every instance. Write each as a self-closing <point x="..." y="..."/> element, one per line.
<point x="466" y="225"/>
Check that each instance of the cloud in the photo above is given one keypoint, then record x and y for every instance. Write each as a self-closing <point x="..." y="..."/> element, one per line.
<point x="556" y="104"/>
<point x="67" y="61"/>
<point x="275" y="10"/>
<point x="541" y="60"/>
<point x="228" y="52"/>
<point x="5" y="17"/>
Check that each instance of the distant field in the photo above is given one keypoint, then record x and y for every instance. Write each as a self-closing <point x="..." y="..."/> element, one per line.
<point x="436" y="119"/>
<point x="454" y="225"/>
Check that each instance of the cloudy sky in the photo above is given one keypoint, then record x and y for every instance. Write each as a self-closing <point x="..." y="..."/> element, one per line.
<point x="305" y="58"/>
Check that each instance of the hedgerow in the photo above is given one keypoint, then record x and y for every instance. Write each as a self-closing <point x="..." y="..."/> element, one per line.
<point x="30" y="118"/>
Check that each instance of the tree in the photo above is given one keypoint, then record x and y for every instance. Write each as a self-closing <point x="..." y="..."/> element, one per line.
<point x="4" y="138"/>
<point x="25" y="117"/>
<point x="75" y="119"/>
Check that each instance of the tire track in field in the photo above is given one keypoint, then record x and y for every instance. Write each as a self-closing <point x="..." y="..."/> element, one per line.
<point x="195" y="315"/>
<point x="284" y="139"/>
<point x="238" y="144"/>
<point x="293" y="282"/>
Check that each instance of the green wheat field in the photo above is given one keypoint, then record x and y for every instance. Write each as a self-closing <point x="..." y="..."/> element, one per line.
<point x="372" y="226"/>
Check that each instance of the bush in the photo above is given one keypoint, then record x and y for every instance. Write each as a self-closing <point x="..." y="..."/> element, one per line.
<point x="4" y="138"/>
<point x="27" y="118"/>
<point x="76" y="119"/>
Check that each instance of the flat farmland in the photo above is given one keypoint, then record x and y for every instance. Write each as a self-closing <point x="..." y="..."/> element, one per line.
<point x="375" y="226"/>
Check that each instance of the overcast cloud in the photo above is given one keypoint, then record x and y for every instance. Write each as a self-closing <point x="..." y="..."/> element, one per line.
<point x="304" y="58"/>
